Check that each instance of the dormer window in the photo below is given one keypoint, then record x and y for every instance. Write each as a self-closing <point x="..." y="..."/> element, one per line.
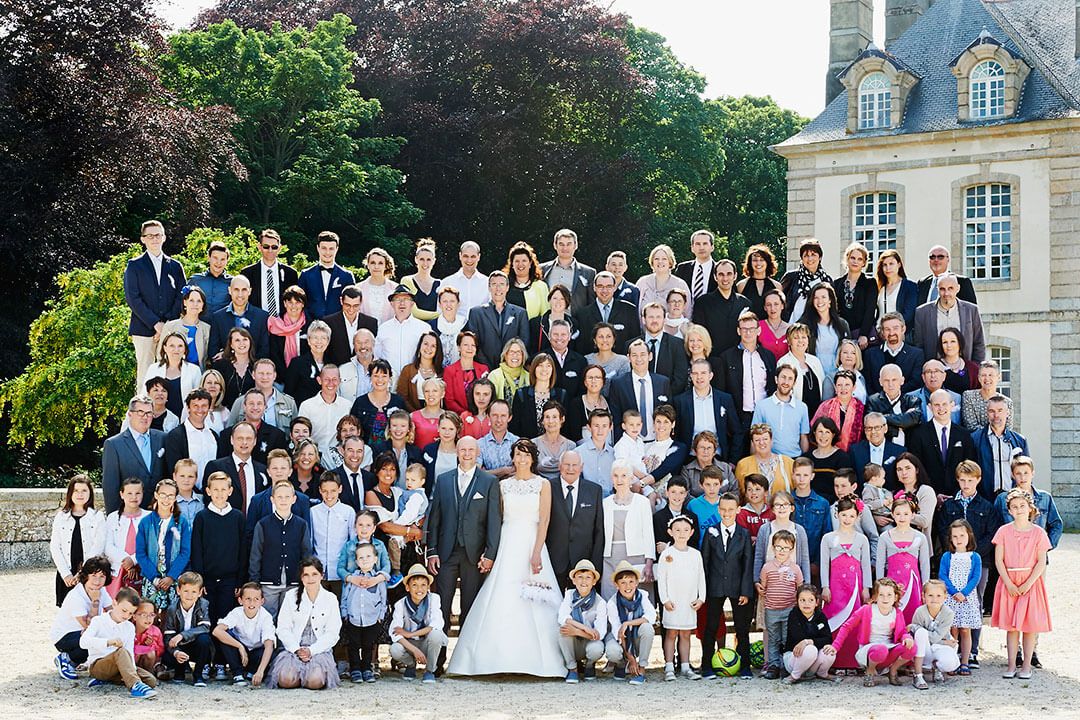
<point x="986" y="94"/>
<point x="875" y="101"/>
<point x="989" y="80"/>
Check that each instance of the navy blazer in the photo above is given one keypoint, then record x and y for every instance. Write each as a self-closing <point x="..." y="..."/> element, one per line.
<point x="730" y="431"/>
<point x="253" y="320"/>
<point x="152" y="302"/>
<point x="621" y="397"/>
<point x="366" y="481"/>
<point x="121" y="459"/>
<point x="623" y="317"/>
<point x="910" y="361"/>
<point x="906" y="302"/>
<point x="286" y="278"/>
<point x="319" y="303"/>
<point x="860" y="458"/>
<point x="492" y="335"/>
<point x="629" y="292"/>
<point x="227" y="466"/>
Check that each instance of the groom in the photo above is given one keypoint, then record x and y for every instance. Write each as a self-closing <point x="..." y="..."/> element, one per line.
<point x="463" y="529"/>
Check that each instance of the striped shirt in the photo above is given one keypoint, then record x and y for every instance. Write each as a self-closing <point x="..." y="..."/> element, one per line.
<point x="781" y="581"/>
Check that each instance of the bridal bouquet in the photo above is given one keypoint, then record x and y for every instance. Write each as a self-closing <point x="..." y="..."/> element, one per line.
<point x="536" y="589"/>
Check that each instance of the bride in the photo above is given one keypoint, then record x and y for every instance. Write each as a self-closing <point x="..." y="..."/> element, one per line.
<point x="504" y="632"/>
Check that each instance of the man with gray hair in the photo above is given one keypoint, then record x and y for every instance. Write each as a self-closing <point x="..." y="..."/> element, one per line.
<point x="949" y="311"/>
<point x="942" y="444"/>
<point x="565" y="270"/>
<point x="901" y="411"/>
<point x="471" y="284"/>
<point x="938" y="259"/>
<point x="576" y="529"/>
<point x="876" y="448"/>
<point x="137" y="451"/>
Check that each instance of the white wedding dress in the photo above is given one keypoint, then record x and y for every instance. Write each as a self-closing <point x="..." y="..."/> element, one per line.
<point x="504" y="632"/>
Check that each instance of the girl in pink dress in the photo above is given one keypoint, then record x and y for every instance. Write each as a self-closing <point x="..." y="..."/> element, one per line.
<point x="1020" y="601"/>
<point x="903" y="554"/>
<point x="845" y="577"/>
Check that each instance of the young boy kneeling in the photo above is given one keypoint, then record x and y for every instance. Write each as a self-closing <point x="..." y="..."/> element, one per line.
<point x="631" y="616"/>
<point x="247" y="636"/>
<point x="583" y="617"/>
<point x="417" y="626"/>
<point x="110" y="644"/>
<point x="187" y="630"/>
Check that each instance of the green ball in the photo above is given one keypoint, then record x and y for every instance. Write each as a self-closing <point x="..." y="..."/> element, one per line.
<point x="726" y="661"/>
<point x="757" y="654"/>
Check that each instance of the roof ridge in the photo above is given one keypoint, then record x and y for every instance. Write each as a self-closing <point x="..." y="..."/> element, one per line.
<point x="1030" y="54"/>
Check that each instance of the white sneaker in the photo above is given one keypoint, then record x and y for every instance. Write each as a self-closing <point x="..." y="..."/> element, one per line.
<point x="669" y="675"/>
<point x="689" y="674"/>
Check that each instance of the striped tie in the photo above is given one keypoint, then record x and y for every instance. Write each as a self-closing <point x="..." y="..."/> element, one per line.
<point x="699" y="281"/>
<point x="271" y="291"/>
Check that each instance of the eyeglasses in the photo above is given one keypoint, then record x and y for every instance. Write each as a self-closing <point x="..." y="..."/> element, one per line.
<point x="781" y="505"/>
<point x="874" y="427"/>
<point x="939" y="257"/>
<point x="270" y="247"/>
<point x="142" y="413"/>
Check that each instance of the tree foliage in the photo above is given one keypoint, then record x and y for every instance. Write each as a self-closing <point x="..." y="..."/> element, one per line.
<point x="303" y="134"/>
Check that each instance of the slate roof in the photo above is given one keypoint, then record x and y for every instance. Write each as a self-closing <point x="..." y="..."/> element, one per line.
<point x="1040" y="31"/>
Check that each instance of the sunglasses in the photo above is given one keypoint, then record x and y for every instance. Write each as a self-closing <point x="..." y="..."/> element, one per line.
<point x="271" y="247"/>
<point x="939" y="257"/>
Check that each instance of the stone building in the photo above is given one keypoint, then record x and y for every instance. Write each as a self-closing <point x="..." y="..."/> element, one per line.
<point x="964" y="131"/>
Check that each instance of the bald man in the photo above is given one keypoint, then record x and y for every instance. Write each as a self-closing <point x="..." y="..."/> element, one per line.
<point x="576" y="529"/>
<point x="939" y="259"/>
<point x="242" y="314"/>
<point x="942" y="444"/>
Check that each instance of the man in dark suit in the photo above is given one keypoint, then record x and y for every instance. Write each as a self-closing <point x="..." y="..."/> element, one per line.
<point x="703" y="407"/>
<point x="462" y="528"/>
<point x="268" y="277"/>
<point x="267" y="436"/>
<point x="963" y="316"/>
<point x="496" y="322"/>
<point x="748" y="388"/>
<point x="240" y="314"/>
<point x="927" y="441"/>
<point x="179" y="440"/>
<point x="138" y="451"/>
<point x="565" y="270"/>
<point x="345" y="324"/>
<point x="324" y="281"/>
<point x="893" y="351"/>
<point x="699" y="273"/>
<point x="621" y="315"/>
<point x="902" y="412"/>
<point x="638" y="389"/>
<point x="569" y="365"/>
<point x="248" y="477"/>
<point x="718" y="311"/>
<point x="939" y="260"/>
<point x="355" y="481"/>
<point x="576" y="529"/>
<point x="727" y="552"/>
<point x="668" y="352"/>
<point x="152" y="285"/>
<point x="876" y="448"/>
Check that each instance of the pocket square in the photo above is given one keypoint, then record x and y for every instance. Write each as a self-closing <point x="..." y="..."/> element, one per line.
<point x="571" y="373"/>
<point x="620" y="327"/>
<point x="890" y="461"/>
<point x="478" y="496"/>
<point x="585" y="505"/>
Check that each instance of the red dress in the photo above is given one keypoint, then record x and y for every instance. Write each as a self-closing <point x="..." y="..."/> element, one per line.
<point x="1024" y="613"/>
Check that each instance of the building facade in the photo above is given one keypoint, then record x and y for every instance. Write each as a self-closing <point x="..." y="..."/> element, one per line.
<point x="965" y="132"/>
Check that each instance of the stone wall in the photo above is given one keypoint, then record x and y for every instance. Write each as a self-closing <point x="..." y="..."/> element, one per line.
<point x="25" y="525"/>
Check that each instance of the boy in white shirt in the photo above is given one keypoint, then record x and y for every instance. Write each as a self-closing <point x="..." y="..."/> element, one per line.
<point x="417" y="626"/>
<point x="246" y="637"/>
<point x="631" y="448"/>
<point x="332" y="523"/>
<point x="110" y="644"/>
<point x="583" y="620"/>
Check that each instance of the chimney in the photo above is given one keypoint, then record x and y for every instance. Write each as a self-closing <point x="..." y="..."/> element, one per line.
<point x="851" y="28"/>
<point x="900" y="15"/>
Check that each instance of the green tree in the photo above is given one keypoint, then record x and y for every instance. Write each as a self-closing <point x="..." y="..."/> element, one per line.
<point x="306" y="137"/>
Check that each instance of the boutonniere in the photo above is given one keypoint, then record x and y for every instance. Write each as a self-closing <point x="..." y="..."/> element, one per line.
<point x="245" y="323"/>
<point x="668" y="559"/>
<point x="571" y="373"/>
<point x="890" y="460"/>
<point x="510" y="320"/>
<point x="714" y="532"/>
<point x="723" y="411"/>
<point x="620" y="327"/>
<point x="314" y="372"/>
<point x="584" y="281"/>
<point x="161" y="452"/>
<point x="262" y="446"/>
<point x="336" y="283"/>
<point x="428" y="458"/>
<point x="661" y="398"/>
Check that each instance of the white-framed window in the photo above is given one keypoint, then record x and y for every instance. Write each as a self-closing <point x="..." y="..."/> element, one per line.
<point x="986" y="93"/>
<point x="875" y="101"/>
<point x="988" y="232"/>
<point x="1003" y="357"/>
<point x="873" y="223"/>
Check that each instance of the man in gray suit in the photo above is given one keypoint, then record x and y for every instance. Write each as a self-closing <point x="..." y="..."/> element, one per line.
<point x="497" y="321"/>
<point x="950" y="311"/>
<point x="137" y="451"/>
<point x="463" y="528"/>
<point x="566" y="270"/>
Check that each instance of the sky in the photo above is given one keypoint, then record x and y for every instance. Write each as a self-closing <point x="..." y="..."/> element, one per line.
<point x="754" y="47"/>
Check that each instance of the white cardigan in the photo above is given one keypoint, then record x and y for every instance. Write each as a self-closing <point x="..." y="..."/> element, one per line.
<point x="189" y="376"/>
<point x="116" y="527"/>
<point x="638" y="529"/>
<point x="325" y="616"/>
<point x="92" y="527"/>
<point x="813" y="363"/>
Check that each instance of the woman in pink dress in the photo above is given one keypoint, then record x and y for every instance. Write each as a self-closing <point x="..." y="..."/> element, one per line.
<point x="903" y="554"/>
<point x="1020" y="601"/>
<point x="845" y="577"/>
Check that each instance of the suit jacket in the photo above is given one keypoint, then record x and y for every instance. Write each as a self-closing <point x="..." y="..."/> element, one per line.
<point x="621" y="397"/>
<point x="267" y="438"/>
<point x="685" y="272"/>
<point x="322" y="303"/>
<point x="152" y="302"/>
<point x="224" y="320"/>
<point x="570" y="376"/>
<point x="176" y="445"/>
<point x="581" y="294"/>
<point x="492" y="334"/>
<point x="860" y="456"/>
<point x="922" y="397"/>
<point x="523" y="421"/>
<point x="227" y="466"/>
<point x="340" y="350"/>
<point x="720" y="317"/>
<point x="287" y="277"/>
<point x="910" y="360"/>
<point x="581" y="537"/>
<point x="924" y="442"/>
<point x="967" y="290"/>
<point x="623" y="317"/>
<point x="971" y="327"/>
<point x="628" y="291"/>
<point x="670" y="361"/>
<point x="910" y="415"/>
<point x="730" y="431"/>
<point x="121" y="459"/>
<point x="366" y="481"/>
<point x="477" y="515"/>
<point x="730" y="572"/>
<point x="731" y="377"/>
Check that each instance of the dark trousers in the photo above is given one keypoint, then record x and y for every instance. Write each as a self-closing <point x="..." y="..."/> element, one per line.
<point x="70" y="644"/>
<point x="746" y="419"/>
<point x="363" y="644"/>
<point x="221" y="596"/>
<point x="200" y="648"/>
<point x="453" y="568"/>
<point x="741" y="616"/>
<point x="232" y="659"/>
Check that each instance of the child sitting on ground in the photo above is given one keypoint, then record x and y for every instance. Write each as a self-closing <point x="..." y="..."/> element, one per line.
<point x="149" y="642"/>
<point x="809" y="638"/>
<point x="86" y="601"/>
<point x="110" y="645"/>
<point x="246" y="637"/>
<point x="881" y="633"/>
<point x="187" y="630"/>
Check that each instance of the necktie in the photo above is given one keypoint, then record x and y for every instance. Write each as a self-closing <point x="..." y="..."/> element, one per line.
<point x="570" y="501"/>
<point x="933" y="290"/>
<point x="727" y="538"/>
<point x="129" y="542"/>
<point x="271" y="293"/>
<point x="605" y="310"/>
<point x="652" y="349"/>
<point x="699" y="280"/>
<point x="355" y="489"/>
<point x="144" y="448"/>
<point x="243" y="484"/>
<point x="643" y="406"/>
<point x="944" y="446"/>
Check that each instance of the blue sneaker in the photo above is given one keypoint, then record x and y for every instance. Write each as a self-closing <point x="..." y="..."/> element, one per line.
<point x="637" y="680"/>
<point x="65" y="667"/>
<point x="142" y="691"/>
<point x="369" y="676"/>
<point x="572" y="677"/>
<point x="409" y="674"/>
<point x="429" y="678"/>
<point x="395" y="580"/>
<point x="356" y="676"/>
<point x="94" y="682"/>
<point x="707" y="673"/>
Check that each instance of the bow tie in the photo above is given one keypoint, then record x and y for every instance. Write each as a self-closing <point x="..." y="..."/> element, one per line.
<point x="326" y="269"/>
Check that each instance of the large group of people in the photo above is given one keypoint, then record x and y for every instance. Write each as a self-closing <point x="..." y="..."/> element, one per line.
<point x="312" y="467"/>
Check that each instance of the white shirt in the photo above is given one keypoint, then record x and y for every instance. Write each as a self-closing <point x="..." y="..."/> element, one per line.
<point x="401" y="620"/>
<point x="753" y="385"/>
<point x="324" y="418"/>
<point x="473" y="291"/>
<point x="396" y="342"/>
<point x="222" y="511"/>
<point x="325" y="276"/>
<point x="156" y="261"/>
<point x="95" y="639"/>
<point x="202" y="447"/>
<point x="251" y="632"/>
<point x="186" y="615"/>
<point x="633" y="451"/>
<point x="351" y="327"/>
<point x="706" y="269"/>
<point x="937" y="433"/>
<point x="646" y="422"/>
<point x="464" y="479"/>
<point x="332" y="526"/>
<point x="76" y="604"/>
<point x="270" y="289"/>
<point x="249" y="478"/>
<point x="881" y="627"/>
<point x="704" y="417"/>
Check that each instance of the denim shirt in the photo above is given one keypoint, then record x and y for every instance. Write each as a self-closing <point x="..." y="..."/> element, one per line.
<point x="1048" y="518"/>
<point x="812" y="512"/>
